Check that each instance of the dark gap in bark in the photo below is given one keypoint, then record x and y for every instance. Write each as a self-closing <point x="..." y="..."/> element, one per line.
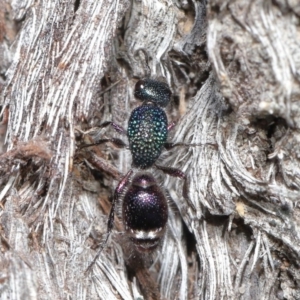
<point x="3" y="76"/>
<point x="190" y="240"/>
<point x="125" y="64"/>
<point x="42" y="126"/>
<point x="98" y="175"/>
<point x="201" y="80"/>
<point x="242" y="228"/>
<point x="176" y="101"/>
<point x="218" y="220"/>
<point x="274" y="127"/>
<point x="189" y="74"/>
<point x="76" y="5"/>
<point x="275" y="124"/>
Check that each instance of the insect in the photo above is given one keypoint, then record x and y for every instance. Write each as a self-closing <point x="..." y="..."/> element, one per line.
<point x="144" y="208"/>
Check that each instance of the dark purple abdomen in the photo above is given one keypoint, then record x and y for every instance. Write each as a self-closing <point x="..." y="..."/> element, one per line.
<point x="145" y="212"/>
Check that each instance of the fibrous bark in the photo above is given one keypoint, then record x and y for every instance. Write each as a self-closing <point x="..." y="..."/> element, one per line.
<point x="233" y="67"/>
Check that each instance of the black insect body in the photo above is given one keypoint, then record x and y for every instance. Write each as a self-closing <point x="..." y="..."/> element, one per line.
<point x="145" y="212"/>
<point x="150" y="90"/>
<point x="148" y="128"/>
<point x="144" y="208"/>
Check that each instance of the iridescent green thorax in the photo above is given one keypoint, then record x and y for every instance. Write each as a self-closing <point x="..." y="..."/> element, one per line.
<point x="147" y="134"/>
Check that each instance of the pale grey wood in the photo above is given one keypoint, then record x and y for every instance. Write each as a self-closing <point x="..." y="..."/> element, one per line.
<point x="233" y="66"/>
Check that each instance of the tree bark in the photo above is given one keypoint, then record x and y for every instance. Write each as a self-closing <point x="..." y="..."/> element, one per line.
<point x="233" y="67"/>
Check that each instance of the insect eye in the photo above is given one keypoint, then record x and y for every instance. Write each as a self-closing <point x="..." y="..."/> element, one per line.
<point x="139" y="90"/>
<point x="140" y="85"/>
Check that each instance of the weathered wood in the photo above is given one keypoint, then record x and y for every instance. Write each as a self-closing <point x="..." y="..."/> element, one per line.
<point x="233" y="66"/>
